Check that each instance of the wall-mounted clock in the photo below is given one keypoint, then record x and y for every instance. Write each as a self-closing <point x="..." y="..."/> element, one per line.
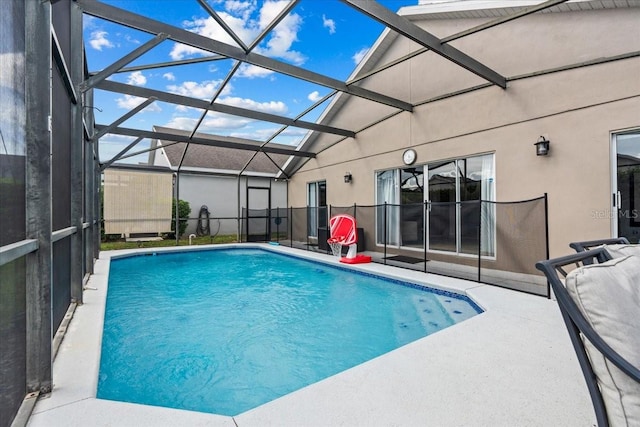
<point x="409" y="157"/>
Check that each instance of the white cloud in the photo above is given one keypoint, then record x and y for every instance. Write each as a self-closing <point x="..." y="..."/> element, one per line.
<point x="238" y="17"/>
<point x="212" y="122"/>
<point x="314" y="96"/>
<point x="273" y="107"/>
<point x="252" y="71"/>
<point x="270" y="10"/>
<point x="137" y="79"/>
<point x="242" y="8"/>
<point x="357" y="57"/>
<point x="182" y="123"/>
<point x="329" y="23"/>
<point x="88" y="21"/>
<point x="184" y="109"/>
<point x="169" y="76"/>
<point x="98" y="40"/>
<point x="208" y="27"/>
<point x="128" y="38"/>
<point x="181" y="51"/>
<point x="203" y="90"/>
<point x="284" y="35"/>
<point x="219" y="122"/>
<point x="129" y="102"/>
<point x="290" y="131"/>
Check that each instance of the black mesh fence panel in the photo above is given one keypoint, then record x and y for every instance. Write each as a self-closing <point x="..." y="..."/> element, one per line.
<point x="519" y="241"/>
<point x="488" y="242"/>
<point x="470" y="213"/>
<point x="298" y="227"/>
<point x="338" y="210"/>
<point x="442" y="226"/>
<point x="279" y="219"/>
<point x="13" y="330"/>
<point x="257" y="224"/>
<point x="61" y="292"/>
<point x="365" y="219"/>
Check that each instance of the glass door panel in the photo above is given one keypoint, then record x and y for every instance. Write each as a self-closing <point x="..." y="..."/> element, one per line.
<point x="627" y="198"/>
<point x="322" y="205"/>
<point x="387" y="216"/>
<point x="442" y="211"/>
<point x="312" y="211"/>
<point x="411" y="207"/>
<point x="470" y="191"/>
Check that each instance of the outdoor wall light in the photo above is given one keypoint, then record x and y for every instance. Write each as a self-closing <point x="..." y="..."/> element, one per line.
<point x="542" y="146"/>
<point x="347" y="177"/>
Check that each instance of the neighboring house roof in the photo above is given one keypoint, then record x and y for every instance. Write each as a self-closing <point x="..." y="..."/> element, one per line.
<point x="628" y="160"/>
<point x="213" y="159"/>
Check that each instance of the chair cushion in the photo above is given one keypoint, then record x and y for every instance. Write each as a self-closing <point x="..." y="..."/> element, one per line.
<point x="608" y="295"/>
<point x="617" y="251"/>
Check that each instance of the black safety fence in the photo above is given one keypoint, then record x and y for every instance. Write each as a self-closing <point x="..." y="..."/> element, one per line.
<point x="496" y="243"/>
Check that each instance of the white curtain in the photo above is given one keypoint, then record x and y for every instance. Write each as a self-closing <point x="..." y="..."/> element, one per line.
<point x="387" y="191"/>
<point x="488" y="210"/>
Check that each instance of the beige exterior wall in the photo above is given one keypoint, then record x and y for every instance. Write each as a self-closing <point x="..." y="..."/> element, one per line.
<point x="577" y="110"/>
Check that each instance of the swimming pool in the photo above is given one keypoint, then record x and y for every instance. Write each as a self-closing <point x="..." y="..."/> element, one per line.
<point x="223" y="331"/>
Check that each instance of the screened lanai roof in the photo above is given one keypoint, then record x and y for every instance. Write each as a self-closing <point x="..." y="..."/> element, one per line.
<point x="268" y="77"/>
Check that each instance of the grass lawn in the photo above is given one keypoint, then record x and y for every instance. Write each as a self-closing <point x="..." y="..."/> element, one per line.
<point x="205" y="240"/>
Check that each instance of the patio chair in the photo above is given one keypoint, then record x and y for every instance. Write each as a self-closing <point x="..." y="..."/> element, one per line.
<point x="600" y="305"/>
<point x="616" y="247"/>
<point x="590" y="244"/>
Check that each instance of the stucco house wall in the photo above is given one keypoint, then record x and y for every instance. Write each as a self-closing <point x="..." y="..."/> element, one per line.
<point x="223" y="195"/>
<point x="577" y="109"/>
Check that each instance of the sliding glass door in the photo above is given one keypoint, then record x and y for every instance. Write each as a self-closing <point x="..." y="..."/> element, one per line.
<point x="460" y="215"/>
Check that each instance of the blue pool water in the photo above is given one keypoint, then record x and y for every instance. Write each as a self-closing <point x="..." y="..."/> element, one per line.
<point x="223" y="331"/>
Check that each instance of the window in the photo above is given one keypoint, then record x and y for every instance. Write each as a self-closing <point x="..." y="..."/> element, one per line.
<point x="454" y="215"/>
<point x="317" y="203"/>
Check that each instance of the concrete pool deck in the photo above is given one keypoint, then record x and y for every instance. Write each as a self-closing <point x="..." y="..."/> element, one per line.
<point x="512" y="365"/>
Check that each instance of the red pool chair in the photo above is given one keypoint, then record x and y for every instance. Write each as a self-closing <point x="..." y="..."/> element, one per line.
<point x="344" y="233"/>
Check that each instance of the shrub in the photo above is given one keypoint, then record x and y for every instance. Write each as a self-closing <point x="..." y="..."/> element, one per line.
<point x="184" y="210"/>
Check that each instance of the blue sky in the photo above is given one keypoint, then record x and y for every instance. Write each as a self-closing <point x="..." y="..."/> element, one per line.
<point x="325" y="36"/>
